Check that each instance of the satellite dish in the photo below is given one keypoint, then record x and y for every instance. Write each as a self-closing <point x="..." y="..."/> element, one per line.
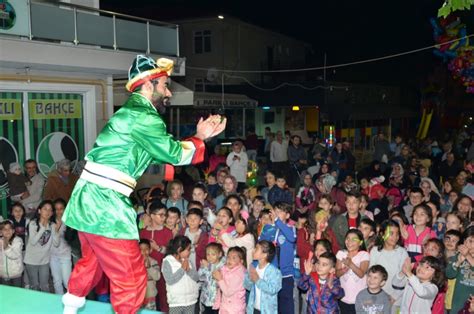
<point x="212" y="74"/>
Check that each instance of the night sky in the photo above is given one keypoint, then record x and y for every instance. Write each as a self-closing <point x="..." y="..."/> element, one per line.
<point x="345" y="30"/>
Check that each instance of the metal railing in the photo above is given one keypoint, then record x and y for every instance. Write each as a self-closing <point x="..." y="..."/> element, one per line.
<point x="65" y="22"/>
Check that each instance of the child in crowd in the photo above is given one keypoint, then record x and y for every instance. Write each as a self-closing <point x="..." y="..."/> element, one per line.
<point x="348" y="220"/>
<point x="263" y="280"/>
<point x="374" y="299"/>
<point x="230" y="278"/>
<point x="11" y="257"/>
<point x="265" y="228"/>
<point x="315" y="229"/>
<point x="60" y="262"/>
<point x="461" y="268"/>
<point x="454" y="222"/>
<point x="159" y="236"/>
<point x="175" y="191"/>
<point x="285" y="239"/>
<point x="153" y="275"/>
<point x="417" y="233"/>
<point x="422" y="288"/>
<point x="181" y="279"/>
<point x="213" y="187"/>
<point x="390" y="254"/>
<point x="320" y="246"/>
<point x="258" y="204"/>
<point x="432" y="247"/>
<point x="280" y="192"/>
<point x="369" y="230"/>
<point x="42" y="235"/>
<point x="20" y="221"/>
<point x="364" y="202"/>
<point x="451" y="241"/>
<point x="200" y="194"/>
<point x="241" y="238"/>
<point x="352" y="264"/>
<point x="229" y="187"/>
<point x="214" y="261"/>
<point x="173" y="220"/>
<point x="324" y="288"/>
<point x="306" y="196"/>
<point x="196" y="235"/>
<point x="224" y="224"/>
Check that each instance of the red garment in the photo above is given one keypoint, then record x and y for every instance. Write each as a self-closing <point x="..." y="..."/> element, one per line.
<point x="161" y="237"/>
<point x="352" y="223"/>
<point x="214" y="160"/>
<point x="123" y="264"/>
<point x="200" y="247"/>
<point x="303" y="247"/>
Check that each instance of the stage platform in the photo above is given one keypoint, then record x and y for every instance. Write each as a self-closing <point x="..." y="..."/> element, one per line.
<point x="23" y="301"/>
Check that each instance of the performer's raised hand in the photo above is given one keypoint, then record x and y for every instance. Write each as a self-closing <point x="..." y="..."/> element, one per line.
<point x="210" y="127"/>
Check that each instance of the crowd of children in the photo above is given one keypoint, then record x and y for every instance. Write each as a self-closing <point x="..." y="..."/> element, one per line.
<point x="328" y="245"/>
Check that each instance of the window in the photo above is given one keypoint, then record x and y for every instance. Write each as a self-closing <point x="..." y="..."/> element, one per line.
<point x="202" y="41"/>
<point x="199" y="85"/>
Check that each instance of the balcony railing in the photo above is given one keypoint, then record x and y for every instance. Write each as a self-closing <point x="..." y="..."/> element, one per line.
<point x="65" y="22"/>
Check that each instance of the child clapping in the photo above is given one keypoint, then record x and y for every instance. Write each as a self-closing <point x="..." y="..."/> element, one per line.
<point x="153" y="275"/>
<point x="214" y="261"/>
<point x="230" y="279"/>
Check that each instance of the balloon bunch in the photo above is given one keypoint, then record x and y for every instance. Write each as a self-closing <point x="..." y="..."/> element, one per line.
<point x="458" y="54"/>
<point x="445" y="30"/>
<point x="462" y="67"/>
<point x="252" y="173"/>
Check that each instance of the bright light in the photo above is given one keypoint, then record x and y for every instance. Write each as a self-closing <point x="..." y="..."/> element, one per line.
<point x="296" y="108"/>
<point x="470" y="118"/>
<point x="266" y="108"/>
<point x="220" y="17"/>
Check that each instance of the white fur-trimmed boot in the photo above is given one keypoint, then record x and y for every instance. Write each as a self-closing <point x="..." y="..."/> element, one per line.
<point x="72" y="303"/>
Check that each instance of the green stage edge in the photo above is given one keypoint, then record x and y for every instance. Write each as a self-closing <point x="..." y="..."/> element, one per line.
<point x="23" y="301"/>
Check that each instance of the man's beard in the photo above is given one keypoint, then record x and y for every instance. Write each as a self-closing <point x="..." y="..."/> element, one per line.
<point x="160" y="101"/>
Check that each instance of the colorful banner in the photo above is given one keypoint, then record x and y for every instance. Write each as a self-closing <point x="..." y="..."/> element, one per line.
<point x="56" y="129"/>
<point x="55" y="109"/>
<point x="10" y="109"/>
<point x="12" y="145"/>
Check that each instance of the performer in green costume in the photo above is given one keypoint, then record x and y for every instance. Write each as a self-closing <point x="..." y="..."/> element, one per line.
<point x="100" y="208"/>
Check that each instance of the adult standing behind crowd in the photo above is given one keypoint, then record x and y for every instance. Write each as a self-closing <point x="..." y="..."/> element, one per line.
<point x="60" y="182"/>
<point x="298" y="160"/>
<point x="381" y="148"/>
<point x="100" y="207"/>
<point x="279" y="154"/>
<point x="237" y="160"/>
<point x="35" y="189"/>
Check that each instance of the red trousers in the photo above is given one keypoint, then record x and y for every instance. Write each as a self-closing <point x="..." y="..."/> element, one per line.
<point x="123" y="264"/>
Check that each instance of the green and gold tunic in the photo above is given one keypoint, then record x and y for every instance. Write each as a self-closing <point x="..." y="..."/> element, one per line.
<point x="133" y="138"/>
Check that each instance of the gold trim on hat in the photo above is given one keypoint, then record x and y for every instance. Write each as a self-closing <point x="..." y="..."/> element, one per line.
<point x="163" y="65"/>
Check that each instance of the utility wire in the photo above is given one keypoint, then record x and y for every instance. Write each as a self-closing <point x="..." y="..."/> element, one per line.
<point x="336" y="65"/>
<point x="285" y="84"/>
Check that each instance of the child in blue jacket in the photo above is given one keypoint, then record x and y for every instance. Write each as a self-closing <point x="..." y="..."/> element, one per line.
<point x="263" y="279"/>
<point x="283" y="236"/>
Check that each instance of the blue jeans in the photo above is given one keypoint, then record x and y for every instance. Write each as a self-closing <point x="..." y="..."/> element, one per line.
<point x="61" y="271"/>
<point x="286" y="303"/>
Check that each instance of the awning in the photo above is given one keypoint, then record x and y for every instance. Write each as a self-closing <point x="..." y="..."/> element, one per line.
<point x="211" y="100"/>
<point x="182" y="96"/>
